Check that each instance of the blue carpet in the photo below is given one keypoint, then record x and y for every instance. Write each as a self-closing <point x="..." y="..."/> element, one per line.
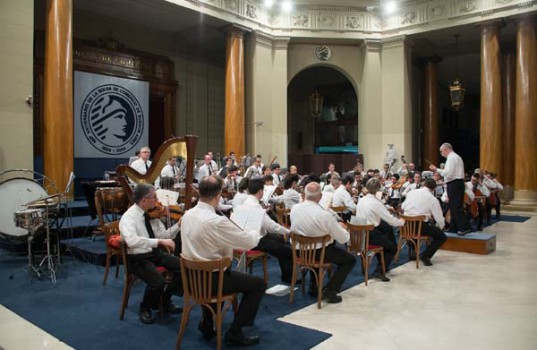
<point x="83" y="313"/>
<point x="514" y="218"/>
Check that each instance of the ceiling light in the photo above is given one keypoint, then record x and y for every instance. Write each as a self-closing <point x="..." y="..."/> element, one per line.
<point x="287" y="6"/>
<point x="268" y="3"/>
<point x="390" y="7"/>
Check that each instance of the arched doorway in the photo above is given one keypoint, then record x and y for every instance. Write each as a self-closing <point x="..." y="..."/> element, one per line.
<point x="333" y="134"/>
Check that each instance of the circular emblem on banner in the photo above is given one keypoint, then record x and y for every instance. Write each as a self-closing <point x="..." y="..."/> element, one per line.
<point x="323" y="53"/>
<point x="112" y="119"/>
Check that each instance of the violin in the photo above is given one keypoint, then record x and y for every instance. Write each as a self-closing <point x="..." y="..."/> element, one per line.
<point x="400" y="182"/>
<point x="174" y="212"/>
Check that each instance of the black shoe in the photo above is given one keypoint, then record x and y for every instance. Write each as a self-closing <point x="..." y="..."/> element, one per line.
<point x="240" y="339"/>
<point x="145" y="316"/>
<point x="331" y="296"/>
<point x="464" y="233"/>
<point x="426" y="260"/>
<point x="380" y="276"/>
<point x="312" y="290"/>
<point x="169" y="307"/>
<point x="206" y="329"/>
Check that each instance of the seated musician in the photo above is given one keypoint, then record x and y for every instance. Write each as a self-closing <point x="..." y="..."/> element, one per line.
<point x="385" y="173"/>
<point x="143" y="163"/>
<point x="144" y="236"/>
<point x="342" y="197"/>
<point x="170" y="169"/>
<point x="394" y="191"/>
<point x="290" y="195"/>
<point x="476" y="187"/>
<point x="208" y="236"/>
<point x="309" y="219"/>
<point x="331" y="171"/>
<point x="423" y="202"/>
<point x="225" y="169"/>
<point x="272" y="241"/>
<point x="232" y="179"/>
<point x="495" y="188"/>
<point x="255" y="170"/>
<point x="242" y="192"/>
<point x="206" y="169"/>
<point x="276" y="174"/>
<point x="371" y="210"/>
<point x="414" y="184"/>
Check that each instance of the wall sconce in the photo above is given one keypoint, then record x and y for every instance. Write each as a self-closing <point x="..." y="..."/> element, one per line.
<point x="456" y="91"/>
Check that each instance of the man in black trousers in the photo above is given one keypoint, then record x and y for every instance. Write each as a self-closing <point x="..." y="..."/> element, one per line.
<point x="453" y="174"/>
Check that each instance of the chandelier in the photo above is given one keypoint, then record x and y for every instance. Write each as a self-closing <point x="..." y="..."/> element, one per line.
<point x="316" y="104"/>
<point x="456" y="91"/>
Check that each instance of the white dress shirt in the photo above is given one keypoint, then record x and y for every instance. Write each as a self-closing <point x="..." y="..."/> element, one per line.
<point x="134" y="233"/>
<point x="203" y="171"/>
<point x="169" y="171"/>
<point x="343" y="197"/>
<point x="409" y="188"/>
<point x="310" y="219"/>
<point x="268" y="225"/>
<point x="208" y="236"/>
<point x="371" y="209"/>
<point x="492" y="184"/>
<point x="139" y="165"/>
<point x="290" y="198"/>
<point x="276" y="179"/>
<point x="239" y="198"/>
<point x="454" y="168"/>
<point x="469" y="190"/>
<point x="253" y="171"/>
<point x="423" y="202"/>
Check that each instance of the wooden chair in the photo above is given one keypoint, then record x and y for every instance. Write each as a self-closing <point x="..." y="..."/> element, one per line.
<point x="339" y="210"/>
<point x="282" y="214"/>
<point x="113" y="247"/>
<point x="251" y="256"/>
<point x="359" y="245"/>
<point x="130" y="279"/>
<point x="304" y="251"/>
<point x="197" y="277"/>
<point x="411" y="232"/>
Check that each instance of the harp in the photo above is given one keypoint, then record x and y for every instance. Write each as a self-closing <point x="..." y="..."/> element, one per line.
<point x="176" y="146"/>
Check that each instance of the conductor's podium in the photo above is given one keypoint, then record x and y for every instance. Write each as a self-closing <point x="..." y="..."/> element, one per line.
<point x="475" y="242"/>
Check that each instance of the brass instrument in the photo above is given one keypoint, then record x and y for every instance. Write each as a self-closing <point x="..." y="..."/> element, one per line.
<point x="176" y="146"/>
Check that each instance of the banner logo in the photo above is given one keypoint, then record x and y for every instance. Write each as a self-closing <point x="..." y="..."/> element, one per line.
<point x="112" y="119"/>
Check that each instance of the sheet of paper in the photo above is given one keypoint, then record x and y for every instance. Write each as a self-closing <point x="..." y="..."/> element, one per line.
<point x="268" y="192"/>
<point x="248" y="218"/>
<point x="279" y="290"/>
<point x="167" y="197"/>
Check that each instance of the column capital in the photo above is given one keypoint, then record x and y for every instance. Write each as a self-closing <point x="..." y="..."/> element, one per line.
<point x="236" y="30"/>
<point x="281" y="42"/>
<point x="524" y="19"/>
<point x="371" y="45"/>
<point x="492" y="23"/>
<point x="430" y="59"/>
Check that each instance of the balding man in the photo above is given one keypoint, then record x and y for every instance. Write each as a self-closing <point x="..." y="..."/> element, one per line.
<point x="206" y="169"/>
<point x="310" y="219"/>
<point x="143" y="163"/>
<point x="453" y="174"/>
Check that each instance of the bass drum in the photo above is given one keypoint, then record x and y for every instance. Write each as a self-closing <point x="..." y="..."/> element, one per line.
<point x="14" y="194"/>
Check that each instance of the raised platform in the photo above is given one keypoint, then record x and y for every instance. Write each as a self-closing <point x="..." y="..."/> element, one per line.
<point x="475" y="243"/>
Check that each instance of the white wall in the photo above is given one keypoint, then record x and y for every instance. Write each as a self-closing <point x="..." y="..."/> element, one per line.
<point x="16" y="72"/>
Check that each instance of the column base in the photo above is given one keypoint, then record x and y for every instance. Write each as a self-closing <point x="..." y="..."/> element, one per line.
<point x="508" y="193"/>
<point x="525" y="198"/>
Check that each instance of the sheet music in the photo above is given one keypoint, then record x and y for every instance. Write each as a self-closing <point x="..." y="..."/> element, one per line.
<point x="268" y="191"/>
<point x="248" y="218"/>
<point x="326" y="200"/>
<point x="358" y="221"/>
<point x="167" y="197"/>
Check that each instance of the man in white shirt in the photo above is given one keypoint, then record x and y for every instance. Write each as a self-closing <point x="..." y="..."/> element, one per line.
<point x="272" y="241"/>
<point x="170" y="169"/>
<point x="476" y="184"/>
<point x="310" y="219"/>
<point x="453" y="174"/>
<point x="255" y="170"/>
<point x="342" y="197"/>
<point x="415" y="184"/>
<point x="423" y="202"/>
<point x="142" y="164"/>
<point x="206" y="169"/>
<point x="143" y="237"/>
<point x="208" y="236"/>
<point x="276" y="174"/>
<point x="371" y="210"/>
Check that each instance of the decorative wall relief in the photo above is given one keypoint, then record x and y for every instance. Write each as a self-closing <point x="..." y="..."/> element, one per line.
<point x="353" y="22"/>
<point x="468" y="6"/>
<point x="326" y="20"/>
<point x="379" y="23"/>
<point x="300" y="20"/>
<point x="437" y="11"/>
<point x="409" y="17"/>
<point x="251" y="11"/>
<point x="230" y="4"/>
<point x="503" y="1"/>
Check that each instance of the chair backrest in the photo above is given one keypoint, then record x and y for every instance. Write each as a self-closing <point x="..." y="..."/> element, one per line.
<point x="197" y="277"/>
<point x="359" y="237"/>
<point x="111" y="232"/>
<point x="339" y="210"/>
<point x="306" y="248"/>
<point x="282" y="214"/>
<point x="412" y="226"/>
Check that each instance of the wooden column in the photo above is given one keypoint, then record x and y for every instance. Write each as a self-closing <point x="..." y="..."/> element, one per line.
<point x="507" y="173"/>
<point x="490" y="145"/>
<point x="58" y="93"/>
<point x="525" y="113"/>
<point x="430" y="114"/>
<point x="234" y="114"/>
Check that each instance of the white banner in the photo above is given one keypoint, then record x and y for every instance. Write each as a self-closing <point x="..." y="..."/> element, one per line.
<point x="111" y="116"/>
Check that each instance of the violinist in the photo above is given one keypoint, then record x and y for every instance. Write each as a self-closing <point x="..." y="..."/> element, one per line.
<point x="232" y="179"/>
<point x="276" y="174"/>
<point x="477" y="192"/>
<point x="144" y="238"/>
<point x="342" y="197"/>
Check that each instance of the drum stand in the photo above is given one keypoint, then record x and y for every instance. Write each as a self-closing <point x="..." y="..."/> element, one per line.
<point x="48" y="258"/>
<point x="30" y="266"/>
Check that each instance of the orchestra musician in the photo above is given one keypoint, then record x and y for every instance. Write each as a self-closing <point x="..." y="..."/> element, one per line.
<point x="276" y="174"/>
<point x="453" y="174"/>
<point x="144" y="236"/>
<point x="208" y="236"/>
<point x="170" y="169"/>
<point x="206" y="169"/>
<point x="422" y="202"/>
<point x="255" y="169"/>
<point x="342" y="197"/>
<point x="476" y="206"/>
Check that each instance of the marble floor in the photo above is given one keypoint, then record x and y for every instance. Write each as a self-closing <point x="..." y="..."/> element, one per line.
<point x="464" y="301"/>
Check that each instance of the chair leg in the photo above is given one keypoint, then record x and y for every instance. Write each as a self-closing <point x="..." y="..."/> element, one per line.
<point x="382" y="261"/>
<point x="399" y="247"/>
<point x="219" y="326"/>
<point x="265" y="269"/>
<point x="107" y="265"/>
<point x="365" y="266"/>
<point x="293" y="281"/>
<point x="184" y="321"/>
<point x="117" y="267"/>
<point x="126" y="293"/>
<point x="320" y="287"/>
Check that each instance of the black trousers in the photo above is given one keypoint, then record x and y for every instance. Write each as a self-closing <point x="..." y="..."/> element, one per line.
<point x="144" y="266"/>
<point x="455" y="191"/>
<point x="343" y="260"/>
<point x="383" y="236"/>
<point x="275" y="245"/>
<point x="438" y="236"/>
<point x="252" y="289"/>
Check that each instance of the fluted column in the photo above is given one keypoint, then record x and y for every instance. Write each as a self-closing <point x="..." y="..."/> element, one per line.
<point x="234" y="115"/>
<point x="58" y="93"/>
<point x="490" y="146"/>
<point x="507" y="176"/>
<point x="430" y="113"/>
<point x="525" y="113"/>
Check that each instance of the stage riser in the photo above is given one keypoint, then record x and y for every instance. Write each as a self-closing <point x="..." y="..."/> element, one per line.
<point x="483" y="244"/>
